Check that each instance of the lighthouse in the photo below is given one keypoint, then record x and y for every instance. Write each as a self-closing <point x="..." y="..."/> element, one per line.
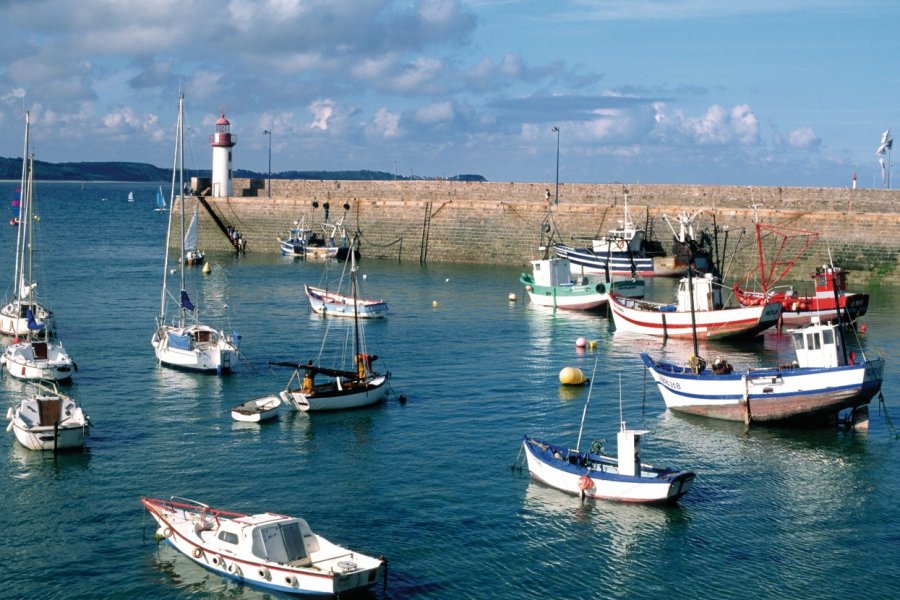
<point x="222" y="141"/>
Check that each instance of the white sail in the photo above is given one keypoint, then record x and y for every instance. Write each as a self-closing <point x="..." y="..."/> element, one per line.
<point x="190" y="238"/>
<point x="160" y="200"/>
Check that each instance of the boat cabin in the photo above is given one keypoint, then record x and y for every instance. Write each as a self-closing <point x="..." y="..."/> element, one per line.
<point x="707" y="295"/>
<point x="818" y="345"/>
<point x="553" y="272"/>
<point x="629" y="451"/>
<point x="269" y="537"/>
<point x="825" y="279"/>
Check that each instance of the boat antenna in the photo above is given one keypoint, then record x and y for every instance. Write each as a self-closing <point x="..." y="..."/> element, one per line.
<point x="621" y="414"/>
<point x="586" y="402"/>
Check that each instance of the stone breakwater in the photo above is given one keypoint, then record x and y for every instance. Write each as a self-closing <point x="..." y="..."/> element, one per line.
<point x="499" y="223"/>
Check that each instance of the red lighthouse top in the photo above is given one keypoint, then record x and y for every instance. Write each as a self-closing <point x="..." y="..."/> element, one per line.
<point x="223" y="137"/>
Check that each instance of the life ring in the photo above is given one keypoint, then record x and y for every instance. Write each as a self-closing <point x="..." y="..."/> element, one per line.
<point x="198" y="552"/>
<point x="585" y="482"/>
<point x="167" y="532"/>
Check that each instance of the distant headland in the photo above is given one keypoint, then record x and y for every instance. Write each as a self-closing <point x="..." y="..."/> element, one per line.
<point x="11" y="169"/>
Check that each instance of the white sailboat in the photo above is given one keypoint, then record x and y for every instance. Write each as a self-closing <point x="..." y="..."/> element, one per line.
<point x="160" y="201"/>
<point x="349" y="385"/>
<point x="32" y="355"/>
<point x="192" y="254"/>
<point x="48" y="420"/>
<point x="14" y="315"/>
<point x="131" y="196"/>
<point x="184" y="342"/>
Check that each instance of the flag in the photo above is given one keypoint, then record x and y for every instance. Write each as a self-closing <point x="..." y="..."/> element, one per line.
<point x="887" y="142"/>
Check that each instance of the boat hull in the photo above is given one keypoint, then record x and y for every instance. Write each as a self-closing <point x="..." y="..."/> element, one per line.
<point x="204" y="349"/>
<point x="652" y="318"/>
<point x="588" y="262"/>
<point x="13" y="322"/>
<point x="49" y="422"/>
<point x="257" y="410"/>
<point x="372" y="392"/>
<point x="334" y="304"/>
<point x="581" y="296"/>
<point x="22" y="361"/>
<point x="801" y="310"/>
<point x="547" y="463"/>
<point x="768" y="395"/>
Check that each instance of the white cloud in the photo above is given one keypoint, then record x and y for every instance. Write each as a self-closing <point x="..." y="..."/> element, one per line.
<point x="803" y="138"/>
<point x="386" y="124"/>
<point x="717" y="126"/>
<point x="322" y="111"/>
<point x="437" y="112"/>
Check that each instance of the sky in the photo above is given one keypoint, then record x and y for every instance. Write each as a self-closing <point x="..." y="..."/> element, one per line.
<point x="721" y="92"/>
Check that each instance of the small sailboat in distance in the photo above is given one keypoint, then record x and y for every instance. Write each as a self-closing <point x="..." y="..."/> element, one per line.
<point x="160" y="201"/>
<point x="131" y="196"/>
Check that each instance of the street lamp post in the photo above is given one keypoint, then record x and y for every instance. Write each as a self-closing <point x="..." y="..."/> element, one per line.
<point x="268" y="132"/>
<point x="556" y="129"/>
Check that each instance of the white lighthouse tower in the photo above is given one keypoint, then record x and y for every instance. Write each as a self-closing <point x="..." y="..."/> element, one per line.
<point x="222" y="141"/>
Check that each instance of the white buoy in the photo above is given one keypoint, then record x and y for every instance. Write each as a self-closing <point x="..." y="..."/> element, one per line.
<point x="580" y="342"/>
<point x="512" y="297"/>
<point x="448" y="279"/>
<point x="434" y="303"/>
<point x="364" y="275"/>
<point x="572" y="376"/>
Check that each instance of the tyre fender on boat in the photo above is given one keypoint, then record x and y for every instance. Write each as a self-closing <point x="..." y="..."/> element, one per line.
<point x="291" y="581"/>
<point x="198" y="552"/>
<point x="264" y="573"/>
<point x="235" y="569"/>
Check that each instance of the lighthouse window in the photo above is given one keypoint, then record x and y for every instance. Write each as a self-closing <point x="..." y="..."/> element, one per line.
<point x="229" y="156"/>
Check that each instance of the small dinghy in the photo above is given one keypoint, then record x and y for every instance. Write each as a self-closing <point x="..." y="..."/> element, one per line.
<point x="256" y="410"/>
<point x="268" y="550"/>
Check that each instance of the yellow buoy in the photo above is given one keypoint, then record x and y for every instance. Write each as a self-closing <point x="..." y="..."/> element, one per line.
<point x="207" y="269"/>
<point x="434" y="303"/>
<point x="592" y="345"/>
<point x="572" y="376"/>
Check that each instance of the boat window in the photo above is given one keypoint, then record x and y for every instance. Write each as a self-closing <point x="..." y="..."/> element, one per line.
<point x="828" y="337"/>
<point x="281" y="543"/>
<point x="813" y="341"/>
<point x="228" y="537"/>
<point x="798" y="341"/>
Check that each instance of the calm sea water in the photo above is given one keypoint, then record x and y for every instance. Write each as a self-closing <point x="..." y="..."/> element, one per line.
<point x="432" y="484"/>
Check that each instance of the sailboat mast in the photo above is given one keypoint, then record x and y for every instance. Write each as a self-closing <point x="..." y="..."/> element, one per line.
<point x="353" y="284"/>
<point x="162" y="300"/>
<point x="23" y="222"/>
<point x="181" y="190"/>
<point x="30" y="217"/>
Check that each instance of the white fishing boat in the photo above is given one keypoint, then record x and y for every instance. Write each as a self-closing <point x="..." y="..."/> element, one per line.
<point x="824" y="379"/>
<point x="48" y="420"/>
<point x="347" y="386"/>
<point x="256" y="410"/>
<point x="698" y="310"/>
<point x="269" y="550"/>
<point x="592" y="474"/>
<point x="192" y="254"/>
<point x="182" y="341"/>
<point x="14" y="315"/>
<point x="294" y="243"/>
<point x="550" y="284"/>
<point x="160" y="201"/>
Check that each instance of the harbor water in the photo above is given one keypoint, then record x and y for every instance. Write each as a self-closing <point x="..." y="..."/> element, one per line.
<point x="435" y="483"/>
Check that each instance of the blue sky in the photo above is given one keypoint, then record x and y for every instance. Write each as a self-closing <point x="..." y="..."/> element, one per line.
<point x="791" y="93"/>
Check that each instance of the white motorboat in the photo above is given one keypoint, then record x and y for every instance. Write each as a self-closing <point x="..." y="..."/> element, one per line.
<point x="269" y="550"/>
<point x="48" y="420"/>
<point x="256" y="410"/>
<point x="38" y="359"/>
<point x="183" y="342"/>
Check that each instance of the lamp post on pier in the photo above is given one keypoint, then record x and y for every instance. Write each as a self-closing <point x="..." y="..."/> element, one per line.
<point x="556" y="198"/>
<point x="268" y="132"/>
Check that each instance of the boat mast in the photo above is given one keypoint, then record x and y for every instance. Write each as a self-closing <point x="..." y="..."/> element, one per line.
<point x="353" y="284"/>
<point x="30" y="217"/>
<point x="181" y="194"/>
<point x="23" y="222"/>
<point x="162" y="302"/>
<point x="586" y="402"/>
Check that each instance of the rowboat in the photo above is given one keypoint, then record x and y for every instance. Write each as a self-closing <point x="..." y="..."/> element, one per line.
<point x="256" y="410"/>
<point x="269" y="550"/>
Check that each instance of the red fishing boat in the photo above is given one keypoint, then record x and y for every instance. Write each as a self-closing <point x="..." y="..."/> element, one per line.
<point x="798" y="308"/>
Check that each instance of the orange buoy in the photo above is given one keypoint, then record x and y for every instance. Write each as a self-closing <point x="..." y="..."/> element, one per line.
<point x="585" y="482"/>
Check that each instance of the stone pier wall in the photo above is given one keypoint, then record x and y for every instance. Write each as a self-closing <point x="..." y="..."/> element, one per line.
<point x="499" y="223"/>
